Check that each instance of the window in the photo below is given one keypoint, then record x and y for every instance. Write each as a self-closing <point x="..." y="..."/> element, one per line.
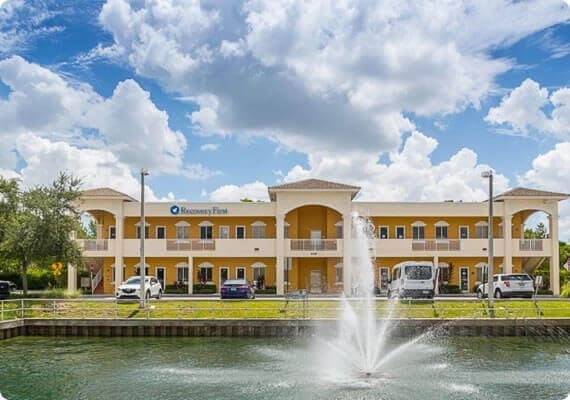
<point x="443" y="272"/>
<point x="286" y="231"/>
<point x="383" y="232"/>
<point x="396" y="274"/>
<point x="206" y="232"/>
<point x="463" y="232"/>
<point x="400" y="232"/>
<point x="240" y="273"/>
<point x="240" y="232"/>
<point x="259" y="273"/>
<point x="224" y="232"/>
<point x="338" y="273"/>
<point x="288" y="264"/>
<point x="481" y="230"/>
<point x="112" y="232"/>
<point x="182" y="230"/>
<point x="481" y="271"/>
<point x="338" y="227"/>
<point x="138" y="270"/>
<point x="113" y="274"/>
<point x="160" y="232"/>
<point x="139" y="232"/>
<point x="418" y="232"/>
<point x="258" y="230"/>
<point x="441" y="232"/>
<point x="205" y="272"/>
<point x="182" y="273"/>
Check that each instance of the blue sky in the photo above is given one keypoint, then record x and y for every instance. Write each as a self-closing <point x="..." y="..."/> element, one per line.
<point x="221" y="99"/>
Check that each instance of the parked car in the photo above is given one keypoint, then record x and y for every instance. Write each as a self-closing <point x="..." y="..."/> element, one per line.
<point x="4" y="290"/>
<point x="412" y="279"/>
<point x="508" y="285"/>
<point x="237" y="288"/>
<point x="131" y="288"/>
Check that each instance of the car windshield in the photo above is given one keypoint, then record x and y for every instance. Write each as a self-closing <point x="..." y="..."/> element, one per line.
<point x="523" y="277"/>
<point x="418" y="272"/>
<point x="238" y="282"/>
<point x="133" y="281"/>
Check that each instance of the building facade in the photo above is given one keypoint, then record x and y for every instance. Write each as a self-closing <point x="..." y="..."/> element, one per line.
<point x="301" y="239"/>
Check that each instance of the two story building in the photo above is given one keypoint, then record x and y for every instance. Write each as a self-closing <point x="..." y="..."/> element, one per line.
<point x="301" y="238"/>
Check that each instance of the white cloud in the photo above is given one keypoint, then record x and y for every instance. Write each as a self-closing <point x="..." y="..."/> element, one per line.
<point x="199" y="172"/>
<point x="127" y="123"/>
<point x="210" y="147"/>
<point x="324" y="75"/>
<point x="409" y="176"/>
<point x="551" y="171"/>
<point x="524" y="109"/>
<point x="254" y="191"/>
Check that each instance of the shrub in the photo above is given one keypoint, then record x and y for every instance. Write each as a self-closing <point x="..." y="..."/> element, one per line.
<point x="38" y="279"/>
<point x="267" y="290"/>
<point x="545" y="291"/>
<point x="451" y="289"/>
<point x="565" y="293"/>
<point x="50" y="294"/>
<point x="174" y="289"/>
<point x="204" y="289"/>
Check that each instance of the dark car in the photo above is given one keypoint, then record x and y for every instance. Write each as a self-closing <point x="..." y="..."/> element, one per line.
<point x="237" y="289"/>
<point x="4" y="290"/>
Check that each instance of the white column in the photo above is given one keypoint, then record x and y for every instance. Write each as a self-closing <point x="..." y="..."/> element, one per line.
<point x="71" y="277"/>
<point x="508" y="244"/>
<point x="438" y="272"/>
<point x="190" y="274"/>
<point x="346" y="257"/>
<point x="555" y="257"/>
<point x="280" y="255"/>
<point x="119" y="239"/>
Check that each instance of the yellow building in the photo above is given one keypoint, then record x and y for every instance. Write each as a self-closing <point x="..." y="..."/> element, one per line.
<point x="301" y="238"/>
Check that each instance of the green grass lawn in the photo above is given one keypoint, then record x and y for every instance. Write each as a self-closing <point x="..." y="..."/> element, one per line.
<point x="280" y="309"/>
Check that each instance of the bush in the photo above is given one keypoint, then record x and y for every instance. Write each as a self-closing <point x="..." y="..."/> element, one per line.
<point x="50" y="294"/>
<point x="565" y="293"/>
<point x="204" y="289"/>
<point x="544" y="291"/>
<point x="174" y="289"/>
<point x="451" y="289"/>
<point x="38" y="279"/>
<point x="267" y="290"/>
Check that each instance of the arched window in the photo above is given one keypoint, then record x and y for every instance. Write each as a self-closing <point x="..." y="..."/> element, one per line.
<point x="482" y="230"/>
<point x="146" y="229"/>
<point x="258" y="230"/>
<point x="418" y="230"/>
<point x="182" y="230"/>
<point x="339" y="273"/>
<point x="259" y="274"/>
<point x="138" y="269"/>
<point x="206" y="230"/>
<point x="182" y="273"/>
<point x="441" y="228"/>
<point x="205" y="272"/>
<point x="481" y="272"/>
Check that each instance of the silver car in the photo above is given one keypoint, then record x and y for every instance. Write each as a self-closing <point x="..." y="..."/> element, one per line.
<point x="508" y="285"/>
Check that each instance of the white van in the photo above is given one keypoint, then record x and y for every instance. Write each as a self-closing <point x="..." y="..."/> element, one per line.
<point x="412" y="279"/>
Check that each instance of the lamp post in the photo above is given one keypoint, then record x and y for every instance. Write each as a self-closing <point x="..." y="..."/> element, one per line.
<point x="142" y="230"/>
<point x="490" y="261"/>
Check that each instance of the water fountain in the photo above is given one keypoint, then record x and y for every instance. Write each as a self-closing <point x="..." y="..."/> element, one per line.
<point x="361" y="348"/>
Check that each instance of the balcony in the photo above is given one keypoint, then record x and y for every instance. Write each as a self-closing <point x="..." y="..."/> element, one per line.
<point x="96" y="247"/>
<point x="313" y="244"/>
<point x="530" y="244"/>
<point x="190" y="245"/>
<point x="436" y="245"/>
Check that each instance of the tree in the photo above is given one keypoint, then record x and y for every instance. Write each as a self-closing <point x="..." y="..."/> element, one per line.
<point x="36" y="224"/>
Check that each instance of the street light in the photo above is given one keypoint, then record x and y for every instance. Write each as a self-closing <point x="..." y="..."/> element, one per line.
<point x="142" y="230"/>
<point x="490" y="261"/>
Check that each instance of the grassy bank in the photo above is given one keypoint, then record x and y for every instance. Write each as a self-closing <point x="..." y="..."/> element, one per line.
<point x="280" y="309"/>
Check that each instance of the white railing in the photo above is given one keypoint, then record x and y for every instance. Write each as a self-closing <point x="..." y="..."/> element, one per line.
<point x="436" y="245"/>
<point x="530" y="244"/>
<point x="95" y="244"/>
<point x="190" y="244"/>
<point x="96" y="279"/>
<point x="313" y="244"/>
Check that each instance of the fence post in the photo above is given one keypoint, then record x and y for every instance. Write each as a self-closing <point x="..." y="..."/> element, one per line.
<point x="2" y="311"/>
<point x="22" y="309"/>
<point x="53" y="308"/>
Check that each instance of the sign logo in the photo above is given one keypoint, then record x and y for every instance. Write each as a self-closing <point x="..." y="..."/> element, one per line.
<point x="181" y="210"/>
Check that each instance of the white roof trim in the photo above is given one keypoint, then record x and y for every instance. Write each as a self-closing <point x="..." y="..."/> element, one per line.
<point x="182" y="223"/>
<point x="441" y="223"/>
<point x="482" y="223"/>
<point x="205" y="223"/>
<point x="182" y="265"/>
<point x="419" y="223"/>
<point x="259" y="223"/>
<point x="258" y="264"/>
<point x="206" y="264"/>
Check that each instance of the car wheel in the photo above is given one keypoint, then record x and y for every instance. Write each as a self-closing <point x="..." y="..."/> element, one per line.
<point x="479" y="294"/>
<point x="147" y="296"/>
<point x="159" y="295"/>
<point x="389" y="294"/>
<point x="498" y="294"/>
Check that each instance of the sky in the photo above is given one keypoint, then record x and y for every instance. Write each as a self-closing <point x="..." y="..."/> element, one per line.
<point x="219" y="99"/>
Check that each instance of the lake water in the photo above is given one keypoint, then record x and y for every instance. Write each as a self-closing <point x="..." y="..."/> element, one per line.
<point x="248" y="368"/>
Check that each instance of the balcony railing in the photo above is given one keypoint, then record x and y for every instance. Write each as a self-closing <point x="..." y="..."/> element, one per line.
<point x="530" y="245"/>
<point x="436" y="245"/>
<point x="313" y="244"/>
<point x="190" y="244"/>
<point x="95" y="244"/>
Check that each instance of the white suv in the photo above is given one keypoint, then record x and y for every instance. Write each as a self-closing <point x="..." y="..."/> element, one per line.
<point x="508" y="285"/>
<point x="131" y="288"/>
